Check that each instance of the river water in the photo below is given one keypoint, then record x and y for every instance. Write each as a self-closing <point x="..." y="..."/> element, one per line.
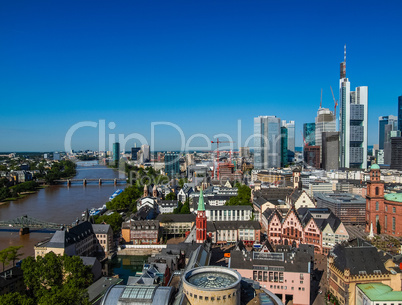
<point x="58" y="204"/>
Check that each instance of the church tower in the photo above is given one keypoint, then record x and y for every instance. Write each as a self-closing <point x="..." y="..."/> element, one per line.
<point x="375" y="200"/>
<point x="201" y="220"/>
<point x="145" y="191"/>
<point x="296" y="178"/>
<point x="154" y="192"/>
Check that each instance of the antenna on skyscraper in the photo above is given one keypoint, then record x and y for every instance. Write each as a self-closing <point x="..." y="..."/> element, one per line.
<point x="321" y="99"/>
<point x="344" y="56"/>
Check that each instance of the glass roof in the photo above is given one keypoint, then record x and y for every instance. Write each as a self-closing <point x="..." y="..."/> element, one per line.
<point x="212" y="279"/>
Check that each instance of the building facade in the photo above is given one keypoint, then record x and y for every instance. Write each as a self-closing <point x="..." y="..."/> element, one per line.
<point x="309" y="133"/>
<point x="267" y="142"/>
<point x="141" y="232"/>
<point x="383" y="212"/>
<point x="172" y="164"/>
<point x="353" y="123"/>
<point x="290" y="127"/>
<point x="116" y="152"/>
<point x="350" y="208"/>
<point x="324" y="122"/>
<point x="330" y="151"/>
<point x="358" y="262"/>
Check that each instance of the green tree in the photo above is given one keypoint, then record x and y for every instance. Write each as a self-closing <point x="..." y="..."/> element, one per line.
<point x="243" y="196"/>
<point x="55" y="279"/>
<point x="378" y="227"/>
<point x="4" y="258"/>
<point x="13" y="254"/>
<point x="171" y="196"/>
<point x="126" y="200"/>
<point x="115" y="220"/>
<point x="186" y="207"/>
<point x="16" y="298"/>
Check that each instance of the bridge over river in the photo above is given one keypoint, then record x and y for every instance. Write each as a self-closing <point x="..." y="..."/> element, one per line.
<point x="25" y="223"/>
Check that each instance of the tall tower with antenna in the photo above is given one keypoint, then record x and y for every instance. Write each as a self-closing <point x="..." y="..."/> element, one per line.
<point x="352" y="122"/>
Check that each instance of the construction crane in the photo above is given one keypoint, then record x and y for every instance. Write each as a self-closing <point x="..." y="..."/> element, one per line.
<point x="217" y="154"/>
<point x="335" y="102"/>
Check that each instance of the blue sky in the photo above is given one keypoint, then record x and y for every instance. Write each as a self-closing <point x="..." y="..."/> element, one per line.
<point x="202" y="65"/>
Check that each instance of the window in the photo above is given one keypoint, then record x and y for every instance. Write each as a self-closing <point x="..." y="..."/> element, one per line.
<point x="377" y="206"/>
<point x="393" y="209"/>
<point x="393" y="223"/>
<point x="386" y="220"/>
<point x="386" y="208"/>
<point x="377" y="191"/>
<point x="206" y="298"/>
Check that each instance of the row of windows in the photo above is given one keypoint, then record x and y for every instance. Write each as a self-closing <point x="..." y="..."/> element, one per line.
<point x="207" y="298"/>
<point x="285" y="287"/>
<point x="377" y="207"/>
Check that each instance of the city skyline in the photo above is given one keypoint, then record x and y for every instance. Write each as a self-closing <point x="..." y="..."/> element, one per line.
<point x="200" y="66"/>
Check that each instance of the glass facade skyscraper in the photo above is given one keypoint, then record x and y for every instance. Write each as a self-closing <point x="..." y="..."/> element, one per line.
<point x="284" y="146"/>
<point x="267" y="142"/>
<point x="400" y="113"/>
<point x="116" y="152"/>
<point x="353" y="123"/>
<point x="172" y="164"/>
<point x="309" y="133"/>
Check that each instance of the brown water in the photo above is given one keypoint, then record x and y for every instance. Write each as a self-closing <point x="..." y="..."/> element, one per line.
<point x="58" y="204"/>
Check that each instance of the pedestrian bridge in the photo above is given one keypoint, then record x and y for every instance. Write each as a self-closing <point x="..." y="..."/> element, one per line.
<point x="25" y="223"/>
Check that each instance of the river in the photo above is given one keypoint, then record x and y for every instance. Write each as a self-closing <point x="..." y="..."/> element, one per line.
<point x="59" y="204"/>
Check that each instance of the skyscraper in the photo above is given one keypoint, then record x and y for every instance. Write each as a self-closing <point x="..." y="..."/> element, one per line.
<point x="309" y="134"/>
<point x="330" y="150"/>
<point x="267" y="142"/>
<point x="116" y="152"/>
<point x="353" y="123"/>
<point x="324" y="122"/>
<point x="290" y="126"/>
<point x="284" y="146"/>
<point x="134" y="153"/>
<point x="172" y="165"/>
<point x="146" y="152"/>
<point x="382" y="121"/>
<point x="400" y="113"/>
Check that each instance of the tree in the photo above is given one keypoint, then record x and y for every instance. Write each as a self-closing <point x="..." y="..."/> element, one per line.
<point x="115" y="220"/>
<point x="13" y="254"/>
<point x="4" y="257"/>
<point x="378" y="227"/>
<point x="171" y="196"/>
<point x="126" y="200"/>
<point x="243" y="196"/>
<point x="55" y="279"/>
<point x="16" y="298"/>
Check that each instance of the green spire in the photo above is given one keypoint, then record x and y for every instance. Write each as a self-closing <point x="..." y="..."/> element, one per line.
<point x="201" y="205"/>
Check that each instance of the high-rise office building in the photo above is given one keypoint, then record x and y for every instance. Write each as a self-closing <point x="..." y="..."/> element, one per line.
<point x="324" y="122"/>
<point x="330" y="150"/>
<point x="353" y="123"/>
<point x="312" y="155"/>
<point x="396" y="156"/>
<point x="382" y="122"/>
<point x="116" y="152"/>
<point x="244" y="152"/>
<point x="134" y="153"/>
<point x="290" y="126"/>
<point x="400" y="113"/>
<point x="267" y="142"/>
<point x="172" y="164"/>
<point x="309" y="134"/>
<point x="284" y="146"/>
<point x="145" y="153"/>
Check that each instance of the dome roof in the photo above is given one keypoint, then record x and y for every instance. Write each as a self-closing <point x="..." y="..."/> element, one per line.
<point x="374" y="166"/>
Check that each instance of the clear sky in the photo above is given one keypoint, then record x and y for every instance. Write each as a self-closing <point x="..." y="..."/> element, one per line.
<point x="202" y="65"/>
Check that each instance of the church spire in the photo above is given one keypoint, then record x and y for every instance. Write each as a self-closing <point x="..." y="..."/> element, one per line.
<point x="201" y="204"/>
